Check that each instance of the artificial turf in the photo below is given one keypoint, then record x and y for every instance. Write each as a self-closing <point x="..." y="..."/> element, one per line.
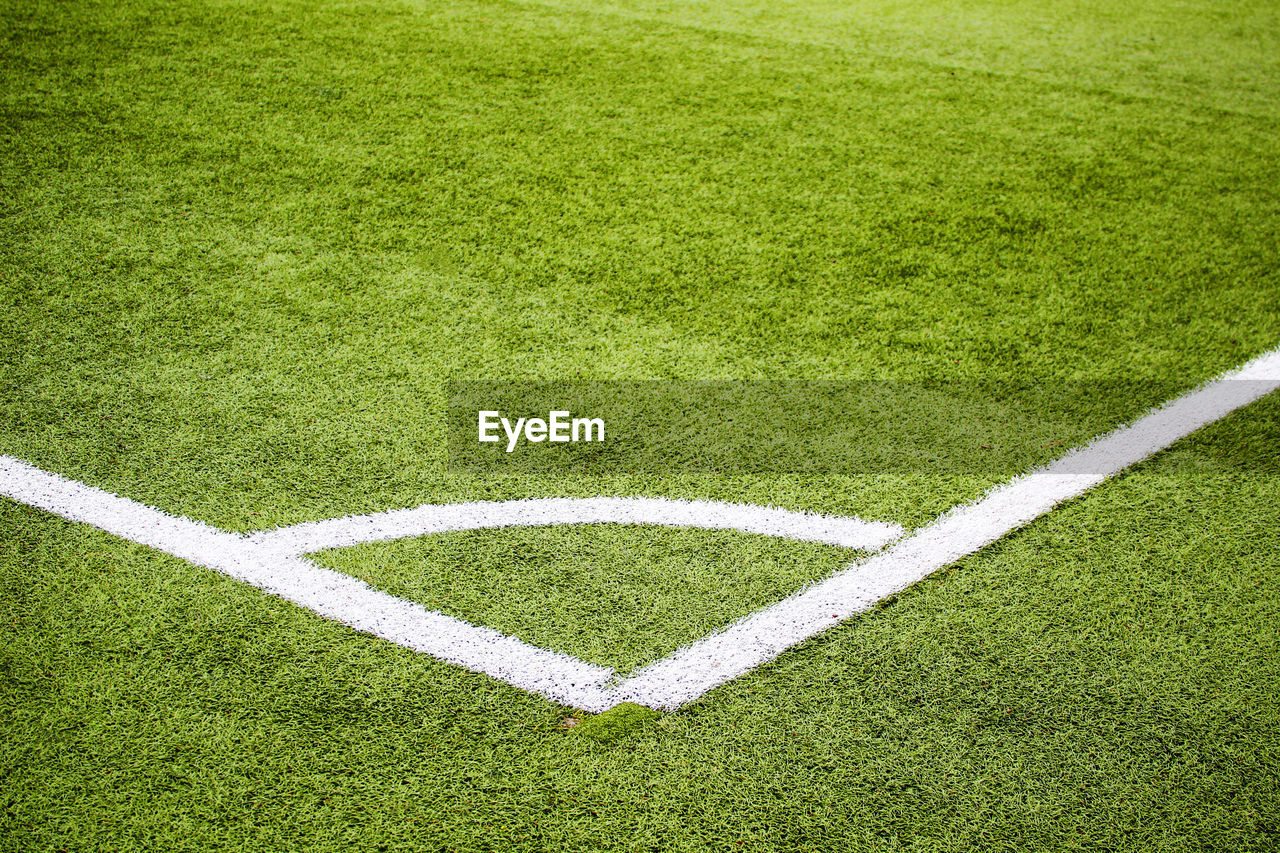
<point x="244" y="248"/>
<point x="1105" y="679"/>
<point x="617" y="595"/>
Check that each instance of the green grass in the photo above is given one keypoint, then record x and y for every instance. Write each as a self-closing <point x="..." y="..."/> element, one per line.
<point x="245" y="247"/>
<point x="1105" y="679"/>
<point x="1194" y="52"/>
<point x="618" y="595"/>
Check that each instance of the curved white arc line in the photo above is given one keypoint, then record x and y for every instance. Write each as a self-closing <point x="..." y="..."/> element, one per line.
<point x="844" y="531"/>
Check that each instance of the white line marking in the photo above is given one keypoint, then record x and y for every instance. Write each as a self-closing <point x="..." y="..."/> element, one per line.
<point x="762" y="636"/>
<point x="331" y="594"/>
<point x="313" y="536"/>
<point x="270" y="561"/>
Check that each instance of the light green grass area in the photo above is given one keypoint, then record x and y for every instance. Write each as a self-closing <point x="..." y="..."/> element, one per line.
<point x="244" y="248"/>
<point x="1200" y="52"/>
<point x="619" y="595"/>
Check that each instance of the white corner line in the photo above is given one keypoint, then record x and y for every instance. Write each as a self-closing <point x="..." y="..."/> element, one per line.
<point x="756" y="639"/>
<point x="331" y="594"/>
<point x="271" y="560"/>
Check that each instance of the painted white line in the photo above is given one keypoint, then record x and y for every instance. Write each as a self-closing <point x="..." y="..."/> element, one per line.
<point x="331" y="594"/>
<point x="270" y="560"/>
<point x="313" y="536"/>
<point x="762" y="636"/>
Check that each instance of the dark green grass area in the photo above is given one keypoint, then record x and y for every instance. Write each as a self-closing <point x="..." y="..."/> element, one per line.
<point x="614" y="594"/>
<point x="617" y="723"/>
<point x="1105" y="679"/>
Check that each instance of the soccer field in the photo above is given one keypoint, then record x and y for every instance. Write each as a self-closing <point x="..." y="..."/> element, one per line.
<point x="257" y="260"/>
